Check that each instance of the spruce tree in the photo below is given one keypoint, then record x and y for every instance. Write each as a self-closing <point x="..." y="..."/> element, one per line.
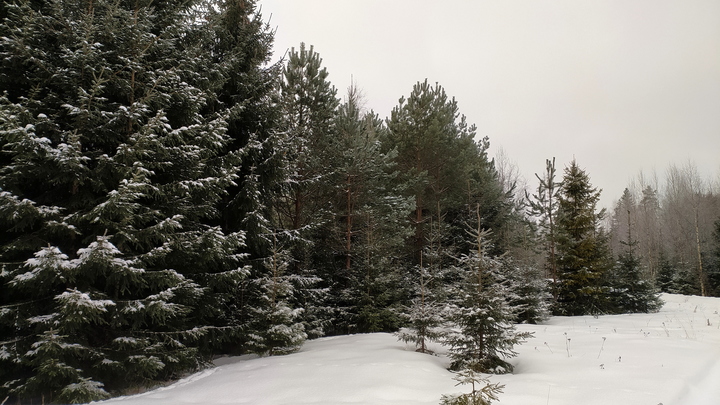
<point x="483" y="393"/>
<point x="528" y="292"/>
<point x="582" y="248"/>
<point x="629" y="290"/>
<point x="276" y="327"/>
<point x="115" y="165"/>
<point x="483" y="334"/>
<point x="665" y="274"/>
<point x="426" y="314"/>
<point x="240" y="46"/>
<point x="632" y="293"/>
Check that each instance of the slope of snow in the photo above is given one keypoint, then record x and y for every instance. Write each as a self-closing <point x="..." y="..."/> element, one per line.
<point x="671" y="357"/>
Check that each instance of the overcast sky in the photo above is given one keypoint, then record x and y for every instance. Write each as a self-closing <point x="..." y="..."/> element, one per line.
<point x="622" y="85"/>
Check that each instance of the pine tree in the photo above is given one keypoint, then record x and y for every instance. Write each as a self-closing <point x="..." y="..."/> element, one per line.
<point x="308" y="101"/>
<point x="442" y="164"/>
<point x="582" y="247"/>
<point x="544" y="205"/>
<point x="368" y="228"/>
<point x="308" y="106"/>
<point x="649" y="235"/>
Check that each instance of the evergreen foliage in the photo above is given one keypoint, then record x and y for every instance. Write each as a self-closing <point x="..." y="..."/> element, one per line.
<point x="582" y="246"/>
<point x="116" y="157"/>
<point x="446" y="171"/>
<point x="426" y="315"/>
<point x="664" y="276"/>
<point x="275" y="325"/>
<point x="714" y="271"/>
<point x="544" y="206"/>
<point x="482" y="334"/>
<point x="648" y="235"/>
<point x="167" y="194"/>
<point x="308" y="105"/>
<point x="368" y="230"/>
<point x="483" y="393"/>
<point x="630" y="291"/>
<point x="528" y="291"/>
<point x="239" y="46"/>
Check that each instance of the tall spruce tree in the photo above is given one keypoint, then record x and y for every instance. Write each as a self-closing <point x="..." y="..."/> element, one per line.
<point x="239" y="45"/>
<point x="582" y="246"/>
<point x="114" y="165"/>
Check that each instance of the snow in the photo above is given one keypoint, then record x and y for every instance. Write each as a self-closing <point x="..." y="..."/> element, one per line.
<point x="80" y="299"/>
<point x="670" y="357"/>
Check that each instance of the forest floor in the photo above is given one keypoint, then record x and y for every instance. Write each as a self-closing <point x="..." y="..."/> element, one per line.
<point x="671" y="357"/>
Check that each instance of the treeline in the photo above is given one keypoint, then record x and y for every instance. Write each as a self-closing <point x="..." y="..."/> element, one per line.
<point x="675" y="223"/>
<point x="168" y="195"/>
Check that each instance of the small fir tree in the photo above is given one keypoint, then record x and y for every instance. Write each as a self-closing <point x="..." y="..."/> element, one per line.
<point x="628" y="289"/>
<point x="276" y="325"/>
<point x="483" y="334"/>
<point x="665" y="274"/>
<point x="631" y="293"/>
<point x="528" y="291"/>
<point x="426" y="313"/>
<point x="483" y="392"/>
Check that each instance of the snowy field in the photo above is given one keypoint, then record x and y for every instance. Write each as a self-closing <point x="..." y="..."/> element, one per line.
<point x="670" y="358"/>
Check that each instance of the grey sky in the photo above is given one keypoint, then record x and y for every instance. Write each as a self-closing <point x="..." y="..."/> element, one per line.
<point x="622" y="85"/>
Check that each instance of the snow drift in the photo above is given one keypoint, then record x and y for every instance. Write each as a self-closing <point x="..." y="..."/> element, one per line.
<point x="670" y="357"/>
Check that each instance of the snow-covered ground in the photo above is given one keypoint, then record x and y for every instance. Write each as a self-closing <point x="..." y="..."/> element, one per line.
<point x="671" y="357"/>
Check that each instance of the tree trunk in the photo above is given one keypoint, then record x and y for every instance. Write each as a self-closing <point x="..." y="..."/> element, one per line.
<point x="348" y="223"/>
<point x="701" y="273"/>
